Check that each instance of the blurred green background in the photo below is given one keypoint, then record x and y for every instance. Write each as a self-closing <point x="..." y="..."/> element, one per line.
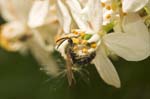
<point x="21" y="78"/>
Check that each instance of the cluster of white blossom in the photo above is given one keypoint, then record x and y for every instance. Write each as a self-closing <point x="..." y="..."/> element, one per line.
<point x="83" y="31"/>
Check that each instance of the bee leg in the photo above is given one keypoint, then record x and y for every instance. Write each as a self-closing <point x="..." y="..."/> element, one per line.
<point x="70" y="75"/>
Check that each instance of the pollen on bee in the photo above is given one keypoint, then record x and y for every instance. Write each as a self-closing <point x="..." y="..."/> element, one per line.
<point x="75" y="40"/>
<point x="93" y="45"/>
<point x="84" y="50"/>
<point x="75" y="48"/>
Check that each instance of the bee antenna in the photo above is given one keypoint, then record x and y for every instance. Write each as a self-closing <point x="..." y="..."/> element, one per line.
<point x="62" y="40"/>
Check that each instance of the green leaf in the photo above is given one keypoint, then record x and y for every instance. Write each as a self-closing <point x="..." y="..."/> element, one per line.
<point x="108" y="27"/>
<point x="147" y="9"/>
<point x="87" y="36"/>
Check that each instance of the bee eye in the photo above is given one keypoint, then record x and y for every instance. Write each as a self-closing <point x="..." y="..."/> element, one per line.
<point x="70" y="41"/>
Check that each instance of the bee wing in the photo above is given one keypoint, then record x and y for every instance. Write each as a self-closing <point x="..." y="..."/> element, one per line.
<point x="134" y="44"/>
<point x="38" y="13"/>
<point x="106" y="69"/>
<point x="90" y="17"/>
<point x="64" y="16"/>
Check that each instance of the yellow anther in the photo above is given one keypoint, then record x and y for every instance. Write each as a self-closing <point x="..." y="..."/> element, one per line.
<point x="82" y="34"/>
<point x="114" y="6"/>
<point x="84" y="41"/>
<point x="108" y="16"/>
<point x="84" y="50"/>
<point x="74" y="31"/>
<point x="93" y="45"/>
<point x="75" y="40"/>
<point x="5" y="43"/>
<point x="103" y="4"/>
<point x="108" y="7"/>
<point x="124" y="13"/>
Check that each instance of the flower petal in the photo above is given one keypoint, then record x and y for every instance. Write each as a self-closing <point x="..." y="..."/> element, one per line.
<point x="38" y="13"/>
<point x="15" y="9"/>
<point x="48" y="33"/>
<point x="10" y="34"/>
<point x="106" y="69"/>
<point x="42" y="55"/>
<point x="13" y="30"/>
<point x="64" y="17"/>
<point x="134" y="44"/>
<point x="76" y="13"/>
<point x="133" y="5"/>
<point x="41" y="40"/>
<point x="94" y="11"/>
<point x="133" y="23"/>
<point x="90" y="17"/>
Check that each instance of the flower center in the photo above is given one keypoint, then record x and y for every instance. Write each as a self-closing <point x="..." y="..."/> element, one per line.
<point x="80" y="50"/>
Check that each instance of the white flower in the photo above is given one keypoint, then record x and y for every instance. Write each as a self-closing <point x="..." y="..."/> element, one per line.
<point x="10" y="34"/>
<point x="133" y="44"/>
<point x="16" y="15"/>
<point x="113" y="9"/>
<point x="108" y="11"/>
<point x="133" y="5"/>
<point x="136" y="39"/>
<point x="15" y="9"/>
<point x="127" y="6"/>
<point x="31" y="33"/>
<point x="92" y="13"/>
<point x="39" y="14"/>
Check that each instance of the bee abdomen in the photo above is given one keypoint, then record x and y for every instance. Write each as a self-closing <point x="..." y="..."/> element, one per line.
<point x="82" y="60"/>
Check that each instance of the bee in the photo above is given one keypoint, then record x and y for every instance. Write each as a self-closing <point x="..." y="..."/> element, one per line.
<point x="78" y="51"/>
